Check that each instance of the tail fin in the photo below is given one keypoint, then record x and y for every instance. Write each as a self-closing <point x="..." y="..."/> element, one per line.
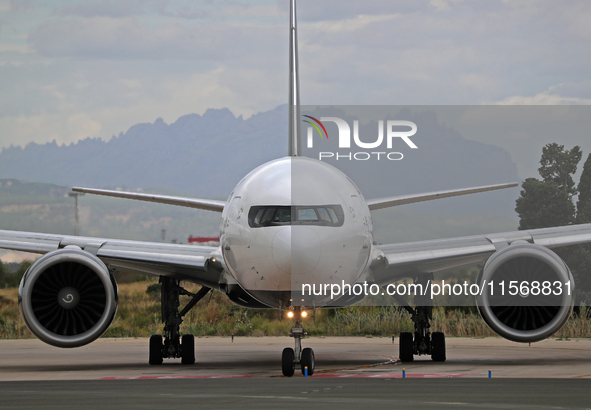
<point x="294" y="85"/>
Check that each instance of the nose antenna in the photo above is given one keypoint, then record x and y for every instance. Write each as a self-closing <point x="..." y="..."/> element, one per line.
<point x="294" y="85"/>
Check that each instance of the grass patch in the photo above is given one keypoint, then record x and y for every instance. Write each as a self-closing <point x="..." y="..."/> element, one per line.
<point x="139" y="315"/>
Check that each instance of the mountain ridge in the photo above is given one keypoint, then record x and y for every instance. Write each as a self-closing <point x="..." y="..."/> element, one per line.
<point x="207" y="155"/>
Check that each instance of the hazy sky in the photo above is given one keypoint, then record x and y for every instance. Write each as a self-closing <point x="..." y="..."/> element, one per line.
<point x="71" y="69"/>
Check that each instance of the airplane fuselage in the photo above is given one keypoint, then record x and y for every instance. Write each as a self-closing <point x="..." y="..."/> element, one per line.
<point x="295" y="221"/>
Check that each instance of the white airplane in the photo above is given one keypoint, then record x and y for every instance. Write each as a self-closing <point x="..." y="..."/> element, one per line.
<point x="289" y="222"/>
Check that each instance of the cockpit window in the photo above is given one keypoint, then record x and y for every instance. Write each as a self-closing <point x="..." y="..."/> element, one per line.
<point x="324" y="215"/>
<point x="307" y="214"/>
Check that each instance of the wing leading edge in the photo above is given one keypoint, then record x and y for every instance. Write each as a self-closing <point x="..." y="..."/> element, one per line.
<point x="395" y="261"/>
<point x="183" y="262"/>
<point x="381" y="203"/>
<point x="206" y="204"/>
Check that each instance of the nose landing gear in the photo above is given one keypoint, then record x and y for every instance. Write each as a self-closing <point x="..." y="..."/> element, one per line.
<point x="292" y="357"/>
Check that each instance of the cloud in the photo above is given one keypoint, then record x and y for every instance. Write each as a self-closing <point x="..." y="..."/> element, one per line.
<point x="108" y="8"/>
<point x="560" y="94"/>
<point x="544" y="98"/>
<point x="445" y="4"/>
<point x="354" y="24"/>
<point x="188" y="10"/>
<point x="41" y="128"/>
<point x="14" y="5"/>
<point x="126" y="39"/>
<point x="16" y="48"/>
<point x="96" y="68"/>
<point x="313" y="11"/>
<point x="88" y="104"/>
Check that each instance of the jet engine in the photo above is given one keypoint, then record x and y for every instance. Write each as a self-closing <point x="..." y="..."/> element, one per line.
<point x="528" y="292"/>
<point x="68" y="297"/>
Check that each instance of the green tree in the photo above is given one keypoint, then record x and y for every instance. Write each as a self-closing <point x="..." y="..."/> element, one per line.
<point x="542" y="205"/>
<point x="3" y="275"/>
<point x="12" y="280"/>
<point x="584" y="201"/>
<point x="549" y="202"/>
<point x="559" y="165"/>
<point x="584" y="216"/>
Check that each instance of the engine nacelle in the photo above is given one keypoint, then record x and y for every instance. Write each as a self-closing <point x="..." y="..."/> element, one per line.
<point x="68" y="298"/>
<point x="525" y="317"/>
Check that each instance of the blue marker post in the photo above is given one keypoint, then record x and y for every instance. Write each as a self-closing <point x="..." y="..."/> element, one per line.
<point x="489" y="374"/>
<point x="404" y="373"/>
<point x="306" y="371"/>
<point x="232" y="338"/>
<point x="392" y="338"/>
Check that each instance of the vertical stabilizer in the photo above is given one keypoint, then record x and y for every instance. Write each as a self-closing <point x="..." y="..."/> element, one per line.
<point x="294" y="85"/>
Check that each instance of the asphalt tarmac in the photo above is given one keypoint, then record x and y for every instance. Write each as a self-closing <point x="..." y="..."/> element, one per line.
<point x="325" y="393"/>
<point x="350" y="373"/>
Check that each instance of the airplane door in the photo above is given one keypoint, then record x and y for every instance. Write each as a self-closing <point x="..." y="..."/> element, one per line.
<point x="234" y="216"/>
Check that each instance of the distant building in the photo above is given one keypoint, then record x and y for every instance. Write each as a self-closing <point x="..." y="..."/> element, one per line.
<point x="204" y="240"/>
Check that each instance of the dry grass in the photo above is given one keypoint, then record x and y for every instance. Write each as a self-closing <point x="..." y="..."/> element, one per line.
<point x="459" y="323"/>
<point x="578" y="325"/>
<point x="11" y="324"/>
<point x="138" y="315"/>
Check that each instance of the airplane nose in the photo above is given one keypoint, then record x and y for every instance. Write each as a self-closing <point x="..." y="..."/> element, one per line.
<point x="296" y="250"/>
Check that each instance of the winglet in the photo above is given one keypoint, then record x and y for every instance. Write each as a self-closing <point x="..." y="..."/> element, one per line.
<point x="294" y="85"/>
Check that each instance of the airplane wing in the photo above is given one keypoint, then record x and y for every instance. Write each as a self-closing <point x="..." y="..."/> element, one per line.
<point x="184" y="262"/>
<point x="381" y="203"/>
<point x="396" y="261"/>
<point x="207" y="204"/>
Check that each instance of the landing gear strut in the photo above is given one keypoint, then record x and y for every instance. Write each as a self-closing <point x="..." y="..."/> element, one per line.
<point x="173" y="346"/>
<point x="290" y="357"/>
<point x="425" y="342"/>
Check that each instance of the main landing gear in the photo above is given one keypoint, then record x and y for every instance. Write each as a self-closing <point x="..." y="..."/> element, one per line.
<point x="172" y="345"/>
<point x="290" y="357"/>
<point x="425" y="342"/>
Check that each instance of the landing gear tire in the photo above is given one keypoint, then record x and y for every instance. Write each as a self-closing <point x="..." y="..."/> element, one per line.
<point x="438" y="347"/>
<point x="307" y="360"/>
<point x="174" y="346"/>
<point x="288" y="362"/>
<point x="406" y="351"/>
<point x="155" y="349"/>
<point x="188" y="349"/>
